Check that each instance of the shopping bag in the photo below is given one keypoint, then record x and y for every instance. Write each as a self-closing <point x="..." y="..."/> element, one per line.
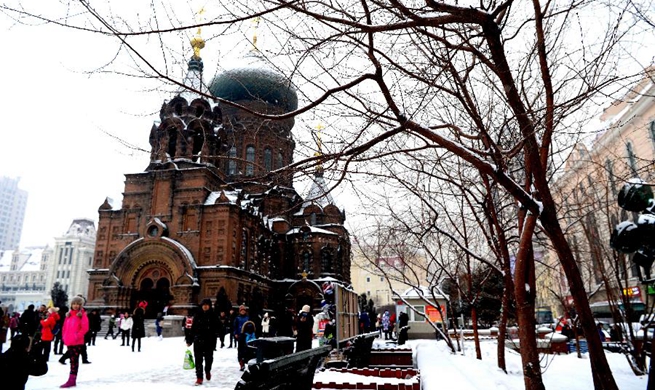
<point x="188" y="361"/>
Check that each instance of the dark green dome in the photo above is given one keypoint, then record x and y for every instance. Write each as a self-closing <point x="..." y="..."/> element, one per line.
<point x="255" y="84"/>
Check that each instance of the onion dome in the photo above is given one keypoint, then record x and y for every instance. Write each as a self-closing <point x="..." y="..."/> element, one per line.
<point x="255" y="82"/>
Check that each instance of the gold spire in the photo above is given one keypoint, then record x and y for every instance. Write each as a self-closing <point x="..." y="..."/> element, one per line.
<point x="255" y="26"/>
<point x="197" y="42"/>
<point x="319" y="145"/>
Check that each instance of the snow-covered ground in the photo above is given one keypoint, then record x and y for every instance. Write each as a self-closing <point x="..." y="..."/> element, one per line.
<point x="159" y="366"/>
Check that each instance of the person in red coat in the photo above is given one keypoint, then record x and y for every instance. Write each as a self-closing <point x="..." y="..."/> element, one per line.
<point x="75" y="327"/>
<point x="47" y="335"/>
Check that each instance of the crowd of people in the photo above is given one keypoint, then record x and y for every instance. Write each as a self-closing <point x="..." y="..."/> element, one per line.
<point x="36" y="333"/>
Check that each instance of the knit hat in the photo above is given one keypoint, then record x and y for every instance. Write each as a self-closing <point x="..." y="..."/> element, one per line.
<point x="206" y="301"/>
<point x="305" y="308"/>
<point x="53" y="310"/>
<point x="77" y="299"/>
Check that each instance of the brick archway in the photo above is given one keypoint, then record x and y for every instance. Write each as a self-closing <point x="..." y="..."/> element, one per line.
<point x="166" y="263"/>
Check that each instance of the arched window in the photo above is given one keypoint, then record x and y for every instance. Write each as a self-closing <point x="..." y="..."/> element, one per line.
<point x="632" y="158"/>
<point x="326" y="260"/>
<point x="232" y="162"/>
<point x="250" y="158"/>
<point x="279" y="163"/>
<point x="306" y="259"/>
<point x="610" y="175"/>
<point x="268" y="159"/>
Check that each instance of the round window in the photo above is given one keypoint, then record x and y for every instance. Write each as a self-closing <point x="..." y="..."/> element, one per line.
<point x="153" y="231"/>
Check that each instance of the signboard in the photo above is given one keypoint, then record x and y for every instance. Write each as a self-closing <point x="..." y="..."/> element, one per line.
<point x="633" y="291"/>
<point x="433" y="314"/>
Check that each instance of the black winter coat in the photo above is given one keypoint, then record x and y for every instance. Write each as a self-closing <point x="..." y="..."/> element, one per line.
<point x="138" y="325"/>
<point x="15" y="367"/>
<point x="204" y="329"/>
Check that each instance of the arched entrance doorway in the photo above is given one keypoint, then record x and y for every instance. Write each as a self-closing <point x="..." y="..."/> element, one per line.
<point x="153" y="285"/>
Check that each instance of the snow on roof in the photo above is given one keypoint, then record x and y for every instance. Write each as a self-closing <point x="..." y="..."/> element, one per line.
<point x="312" y="229"/>
<point x="232" y="196"/>
<point x="425" y="291"/>
<point x="5" y="260"/>
<point x="29" y="259"/>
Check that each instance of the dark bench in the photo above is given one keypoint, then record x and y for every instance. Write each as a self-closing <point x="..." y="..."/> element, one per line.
<point x="357" y="349"/>
<point x="294" y="371"/>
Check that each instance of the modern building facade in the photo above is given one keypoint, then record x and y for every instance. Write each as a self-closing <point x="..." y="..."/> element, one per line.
<point x="587" y="191"/>
<point x="72" y="256"/>
<point x="13" y="202"/>
<point x="215" y="211"/>
<point x="23" y="277"/>
<point x="383" y="278"/>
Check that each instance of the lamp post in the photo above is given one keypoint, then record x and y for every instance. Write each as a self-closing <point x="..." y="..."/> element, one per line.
<point x="638" y="238"/>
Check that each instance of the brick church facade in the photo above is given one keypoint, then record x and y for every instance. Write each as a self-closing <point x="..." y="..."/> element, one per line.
<point x="215" y="214"/>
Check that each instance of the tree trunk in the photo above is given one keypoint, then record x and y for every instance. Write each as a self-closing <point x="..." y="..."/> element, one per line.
<point x="600" y="369"/>
<point x="524" y="292"/>
<point x="476" y="335"/>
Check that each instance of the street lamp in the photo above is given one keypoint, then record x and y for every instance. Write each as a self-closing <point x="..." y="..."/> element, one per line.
<point x="638" y="238"/>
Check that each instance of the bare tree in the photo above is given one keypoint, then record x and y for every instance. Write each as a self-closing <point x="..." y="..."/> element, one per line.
<point x="463" y="79"/>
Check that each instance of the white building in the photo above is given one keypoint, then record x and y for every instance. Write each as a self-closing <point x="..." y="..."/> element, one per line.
<point x="13" y="202"/>
<point x="23" y="277"/>
<point x="72" y="257"/>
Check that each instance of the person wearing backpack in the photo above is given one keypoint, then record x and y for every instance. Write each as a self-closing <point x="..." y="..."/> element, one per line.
<point x="203" y="334"/>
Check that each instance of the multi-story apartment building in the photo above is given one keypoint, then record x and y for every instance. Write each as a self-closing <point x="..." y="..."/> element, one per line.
<point x="623" y="148"/>
<point x="13" y="202"/>
<point x="72" y="258"/>
<point x="383" y="277"/>
<point x="23" y="277"/>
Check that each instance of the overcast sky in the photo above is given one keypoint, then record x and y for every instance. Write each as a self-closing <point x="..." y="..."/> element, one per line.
<point x="56" y="118"/>
<point x="65" y="115"/>
<point x="58" y="112"/>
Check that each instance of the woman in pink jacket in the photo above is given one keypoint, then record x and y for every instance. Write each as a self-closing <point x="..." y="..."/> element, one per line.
<point x="75" y="327"/>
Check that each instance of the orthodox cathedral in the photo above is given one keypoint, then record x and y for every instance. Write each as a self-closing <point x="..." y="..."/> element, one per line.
<point x="214" y="214"/>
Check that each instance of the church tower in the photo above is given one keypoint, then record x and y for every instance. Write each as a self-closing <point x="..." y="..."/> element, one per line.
<point x="215" y="214"/>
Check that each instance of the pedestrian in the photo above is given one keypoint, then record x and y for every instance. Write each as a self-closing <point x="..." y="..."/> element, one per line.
<point x="17" y="364"/>
<point x="222" y="326"/>
<point x="403" y="320"/>
<point x="75" y="327"/>
<point x="188" y="324"/>
<point x="59" y="344"/>
<point x="95" y="324"/>
<point x="230" y="330"/>
<point x="386" y="324"/>
<point x="158" y="327"/>
<point x="138" y="326"/>
<point x="4" y="327"/>
<point x="392" y="326"/>
<point x="601" y="333"/>
<point x="126" y="326"/>
<point x="47" y="332"/>
<point x="242" y="351"/>
<point x="28" y="323"/>
<point x="14" y="325"/>
<point x="119" y="321"/>
<point x="110" y="327"/>
<point x="304" y="327"/>
<point x="266" y="326"/>
<point x="204" y="331"/>
<point x="378" y="325"/>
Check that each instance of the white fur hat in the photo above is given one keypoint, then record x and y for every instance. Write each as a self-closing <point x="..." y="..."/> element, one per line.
<point x="305" y="308"/>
